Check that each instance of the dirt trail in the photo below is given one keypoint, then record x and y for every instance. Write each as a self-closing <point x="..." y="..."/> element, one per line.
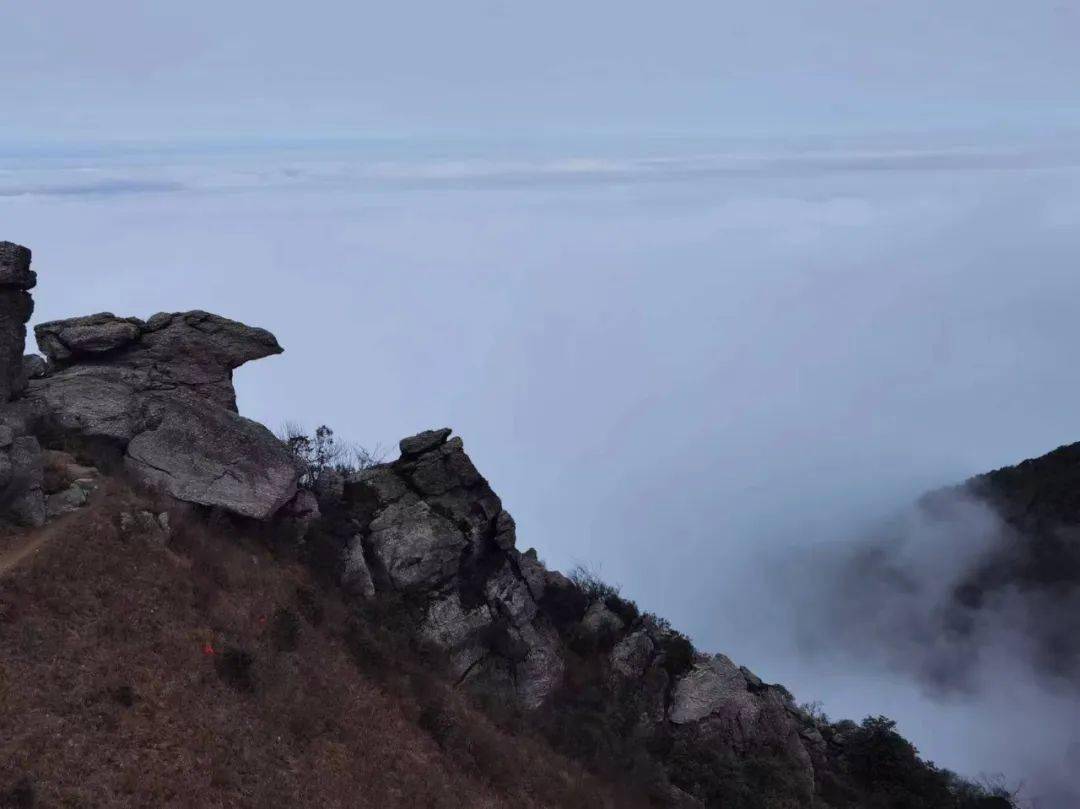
<point x="28" y="548"/>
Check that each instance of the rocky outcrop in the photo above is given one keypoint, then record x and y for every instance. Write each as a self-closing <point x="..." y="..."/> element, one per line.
<point x="16" y="306"/>
<point x="194" y="352"/>
<point x="427" y="533"/>
<point x="158" y="394"/>
<point x="155" y="395"/>
<point x="428" y="529"/>
<point x="21" y="498"/>
<point x="734" y="710"/>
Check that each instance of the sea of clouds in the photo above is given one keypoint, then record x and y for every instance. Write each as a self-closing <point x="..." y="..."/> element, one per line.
<point x="694" y="363"/>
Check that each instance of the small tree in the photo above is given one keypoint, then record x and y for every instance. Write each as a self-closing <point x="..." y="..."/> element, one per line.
<point x="813" y="713"/>
<point x="320" y="452"/>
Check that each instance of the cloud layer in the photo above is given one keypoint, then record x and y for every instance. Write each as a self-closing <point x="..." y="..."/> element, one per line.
<point x="684" y="363"/>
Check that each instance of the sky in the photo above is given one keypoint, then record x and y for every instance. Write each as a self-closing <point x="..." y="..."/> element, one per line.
<point x="705" y="290"/>
<point x="129" y="69"/>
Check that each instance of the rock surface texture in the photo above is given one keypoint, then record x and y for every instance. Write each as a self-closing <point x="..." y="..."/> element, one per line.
<point x="21" y="499"/>
<point x="158" y="394"/>
<point x="429" y="528"/>
<point x="16" y="306"/>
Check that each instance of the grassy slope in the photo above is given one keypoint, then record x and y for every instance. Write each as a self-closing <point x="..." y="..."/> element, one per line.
<point x="109" y="695"/>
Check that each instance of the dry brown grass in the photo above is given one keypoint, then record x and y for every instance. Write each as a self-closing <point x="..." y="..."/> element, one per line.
<point x="209" y="674"/>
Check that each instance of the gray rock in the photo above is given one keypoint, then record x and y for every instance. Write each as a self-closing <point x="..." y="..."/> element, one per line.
<point x="445" y="477"/>
<point x="374" y="488"/>
<point x="424" y="442"/>
<point x="195" y="350"/>
<point x="304" y="506"/>
<point x="534" y="574"/>
<point x="541" y="672"/>
<point x="356" y="575"/>
<point x="160" y="394"/>
<point x="632" y="656"/>
<point x="6" y="469"/>
<point x="16" y="306"/>
<point x="64" y="502"/>
<point x="87" y="484"/>
<point x="713" y="686"/>
<point x="720" y="706"/>
<point x="414" y="547"/>
<point x="61" y="340"/>
<point x="35" y="366"/>
<point x="458" y="631"/>
<point x="600" y="621"/>
<point x="430" y="525"/>
<point x="443" y="469"/>
<point x="505" y="531"/>
<point x="509" y="595"/>
<point x="97" y="402"/>
<point x="15" y="266"/>
<point x="21" y="498"/>
<point x="199" y="351"/>
<point x="211" y="456"/>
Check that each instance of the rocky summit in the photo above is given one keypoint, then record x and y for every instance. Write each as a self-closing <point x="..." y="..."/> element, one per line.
<point x="423" y="538"/>
<point x="158" y="394"/>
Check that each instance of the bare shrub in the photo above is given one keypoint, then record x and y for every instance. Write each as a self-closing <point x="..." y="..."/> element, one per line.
<point x="321" y="451"/>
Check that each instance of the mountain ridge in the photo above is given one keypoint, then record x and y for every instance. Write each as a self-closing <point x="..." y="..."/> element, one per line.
<point x="423" y="543"/>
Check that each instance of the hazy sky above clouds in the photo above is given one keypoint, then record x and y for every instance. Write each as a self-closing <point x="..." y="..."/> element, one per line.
<point x="126" y="68"/>
<point x="685" y="331"/>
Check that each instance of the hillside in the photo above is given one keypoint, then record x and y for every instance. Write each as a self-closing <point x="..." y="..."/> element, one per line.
<point x="1029" y="567"/>
<point x="210" y="615"/>
<point x="205" y="671"/>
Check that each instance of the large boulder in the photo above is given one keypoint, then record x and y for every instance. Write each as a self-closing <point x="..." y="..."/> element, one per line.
<point x="159" y="395"/>
<point x="211" y="456"/>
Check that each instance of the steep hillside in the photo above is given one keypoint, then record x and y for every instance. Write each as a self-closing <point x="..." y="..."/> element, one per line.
<point x="1030" y="566"/>
<point x="194" y="668"/>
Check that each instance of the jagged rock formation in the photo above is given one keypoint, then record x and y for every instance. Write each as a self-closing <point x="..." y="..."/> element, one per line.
<point x="21" y="498"/>
<point x="428" y="528"/>
<point x="156" y="395"/>
<point x="159" y="395"/>
<point x="16" y="306"/>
